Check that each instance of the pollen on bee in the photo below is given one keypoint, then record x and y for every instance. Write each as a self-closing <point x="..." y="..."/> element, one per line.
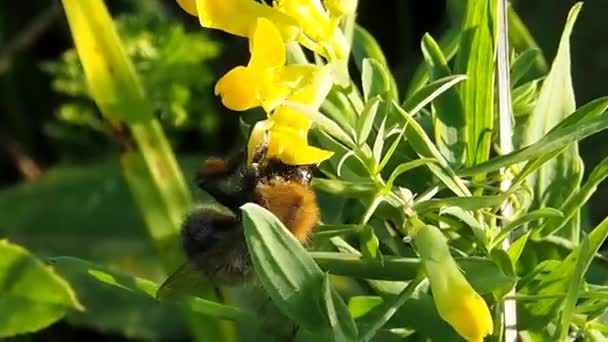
<point x="213" y="167"/>
<point x="293" y="203"/>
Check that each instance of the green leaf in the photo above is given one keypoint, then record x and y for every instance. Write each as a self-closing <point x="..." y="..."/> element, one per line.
<point x="354" y="265"/>
<point x="98" y="284"/>
<point x="467" y="203"/>
<point x="517" y="247"/>
<point x="284" y="268"/>
<point x="524" y="101"/>
<point x="375" y="79"/>
<point x="561" y="175"/>
<point x="576" y="282"/>
<point x="109" y="73"/>
<point x="576" y="200"/>
<point x="538" y="214"/>
<point x="402" y="168"/>
<point x="325" y="231"/>
<point x="520" y="39"/>
<point x="476" y="59"/>
<point x="384" y="313"/>
<point x="448" y="43"/>
<point x="448" y="118"/>
<point x="425" y="148"/>
<point x="366" y="120"/>
<point x="56" y="216"/>
<point x="522" y="65"/>
<point x="365" y="46"/>
<point x="32" y="295"/>
<point x="587" y="120"/>
<point x="346" y="189"/>
<point x="340" y="320"/>
<point x="558" y="279"/>
<point x="359" y="306"/>
<point x="430" y="92"/>
<point x="379" y="143"/>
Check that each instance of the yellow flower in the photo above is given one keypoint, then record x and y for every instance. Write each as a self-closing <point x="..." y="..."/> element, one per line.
<point x="266" y="81"/>
<point x="455" y="299"/>
<point x="288" y="131"/>
<point x="341" y="7"/>
<point x="305" y="20"/>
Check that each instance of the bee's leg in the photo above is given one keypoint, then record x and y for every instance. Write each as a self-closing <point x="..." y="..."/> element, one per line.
<point x="260" y="152"/>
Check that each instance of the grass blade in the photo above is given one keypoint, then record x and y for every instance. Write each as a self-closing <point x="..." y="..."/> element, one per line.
<point x="476" y="59"/>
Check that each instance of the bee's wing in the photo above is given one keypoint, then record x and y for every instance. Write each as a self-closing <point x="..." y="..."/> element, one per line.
<point x="187" y="280"/>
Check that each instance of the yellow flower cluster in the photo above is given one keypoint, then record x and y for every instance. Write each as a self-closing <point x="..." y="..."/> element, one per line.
<point x="267" y="81"/>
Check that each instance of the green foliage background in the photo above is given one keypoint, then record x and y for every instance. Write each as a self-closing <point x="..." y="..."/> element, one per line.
<point x="46" y="114"/>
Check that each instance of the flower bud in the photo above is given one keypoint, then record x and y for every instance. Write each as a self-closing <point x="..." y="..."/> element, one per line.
<point x="455" y="299"/>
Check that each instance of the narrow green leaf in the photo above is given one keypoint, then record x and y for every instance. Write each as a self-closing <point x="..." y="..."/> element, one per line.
<point x="449" y="44"/>
<point x="425" y="148"/>
<point x="524" y="101"/>
<point x="430" y="92"/>
<point x="140" y="290"/>
<point x="517" y="247"/>
<point x="352" y="265"/>
<point x="402" y="168"/>
<point x="576" y="200"/>
<point x="449" y="120"/>
<point x="366" y="119"/>
<point x="391" y="150"/>
<point x="32" y="295"/>
<point x="470" y="220"/>
<point x="476" y="59"/>
<point x="368" y="242"/>
<point x="284" y="268"/>
<point x="520" y="39"/>
<point x="590" y="123"/>
<point x="375" y="79"/>
<point x="522" y="65"/>
<point x="379" y="142"/>
<point x="576" y="282"/>
<point x="325" y="231"/>
<point x="558" y="177"/>
<point x="388" y="309"/>
<point x="365" y="46"/>
<point x="343" y="188"/>
<point x="559" y="279"/>
<point x="119" y="95"/>
<point x="359" y="306"/>
<point x="340" y="320"/>
<point x="538" y="214"/>
<point x="467" y="203"/>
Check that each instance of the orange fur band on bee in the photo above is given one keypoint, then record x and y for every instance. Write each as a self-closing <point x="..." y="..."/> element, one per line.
<point x="293" y="203"/>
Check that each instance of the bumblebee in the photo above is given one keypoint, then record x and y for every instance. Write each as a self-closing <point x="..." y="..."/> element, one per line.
<point x="214" y="239"/>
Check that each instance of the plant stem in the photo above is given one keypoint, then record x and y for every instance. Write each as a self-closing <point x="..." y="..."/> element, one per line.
<point x="506" y="145"/>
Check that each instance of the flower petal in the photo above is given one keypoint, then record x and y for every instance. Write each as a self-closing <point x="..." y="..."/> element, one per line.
<point x="238" y="89"/>
<point x="293" y="151"/>
<point x="311" y="16"/>
<point x="266" y="46"/>
<point x="188" y="6"/>
<point x="288" y="117"/>
<point x="239" y="16"/>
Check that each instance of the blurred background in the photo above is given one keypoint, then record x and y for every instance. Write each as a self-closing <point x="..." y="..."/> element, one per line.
<point x="59" y="171"/>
